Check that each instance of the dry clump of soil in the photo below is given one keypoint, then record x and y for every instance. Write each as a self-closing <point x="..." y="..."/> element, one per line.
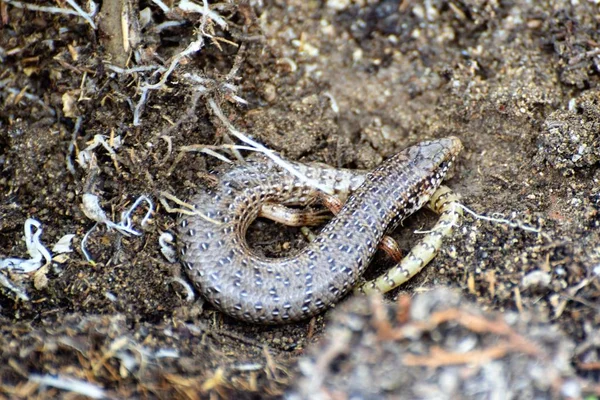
<point x="340" y="82"/>
<point x="436" y="345"/>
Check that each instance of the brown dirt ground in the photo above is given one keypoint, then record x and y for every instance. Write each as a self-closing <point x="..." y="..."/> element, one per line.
<point x="343" y="82"/>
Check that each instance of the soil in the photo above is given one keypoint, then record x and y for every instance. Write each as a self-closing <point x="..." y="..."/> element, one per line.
<point x="347" y="83"/>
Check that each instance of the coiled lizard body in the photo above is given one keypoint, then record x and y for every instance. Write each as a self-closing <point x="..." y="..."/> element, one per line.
<point x="254" y="288"/>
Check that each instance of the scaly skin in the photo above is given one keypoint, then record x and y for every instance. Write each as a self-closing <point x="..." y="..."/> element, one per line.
<point x="257" y="289"/>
